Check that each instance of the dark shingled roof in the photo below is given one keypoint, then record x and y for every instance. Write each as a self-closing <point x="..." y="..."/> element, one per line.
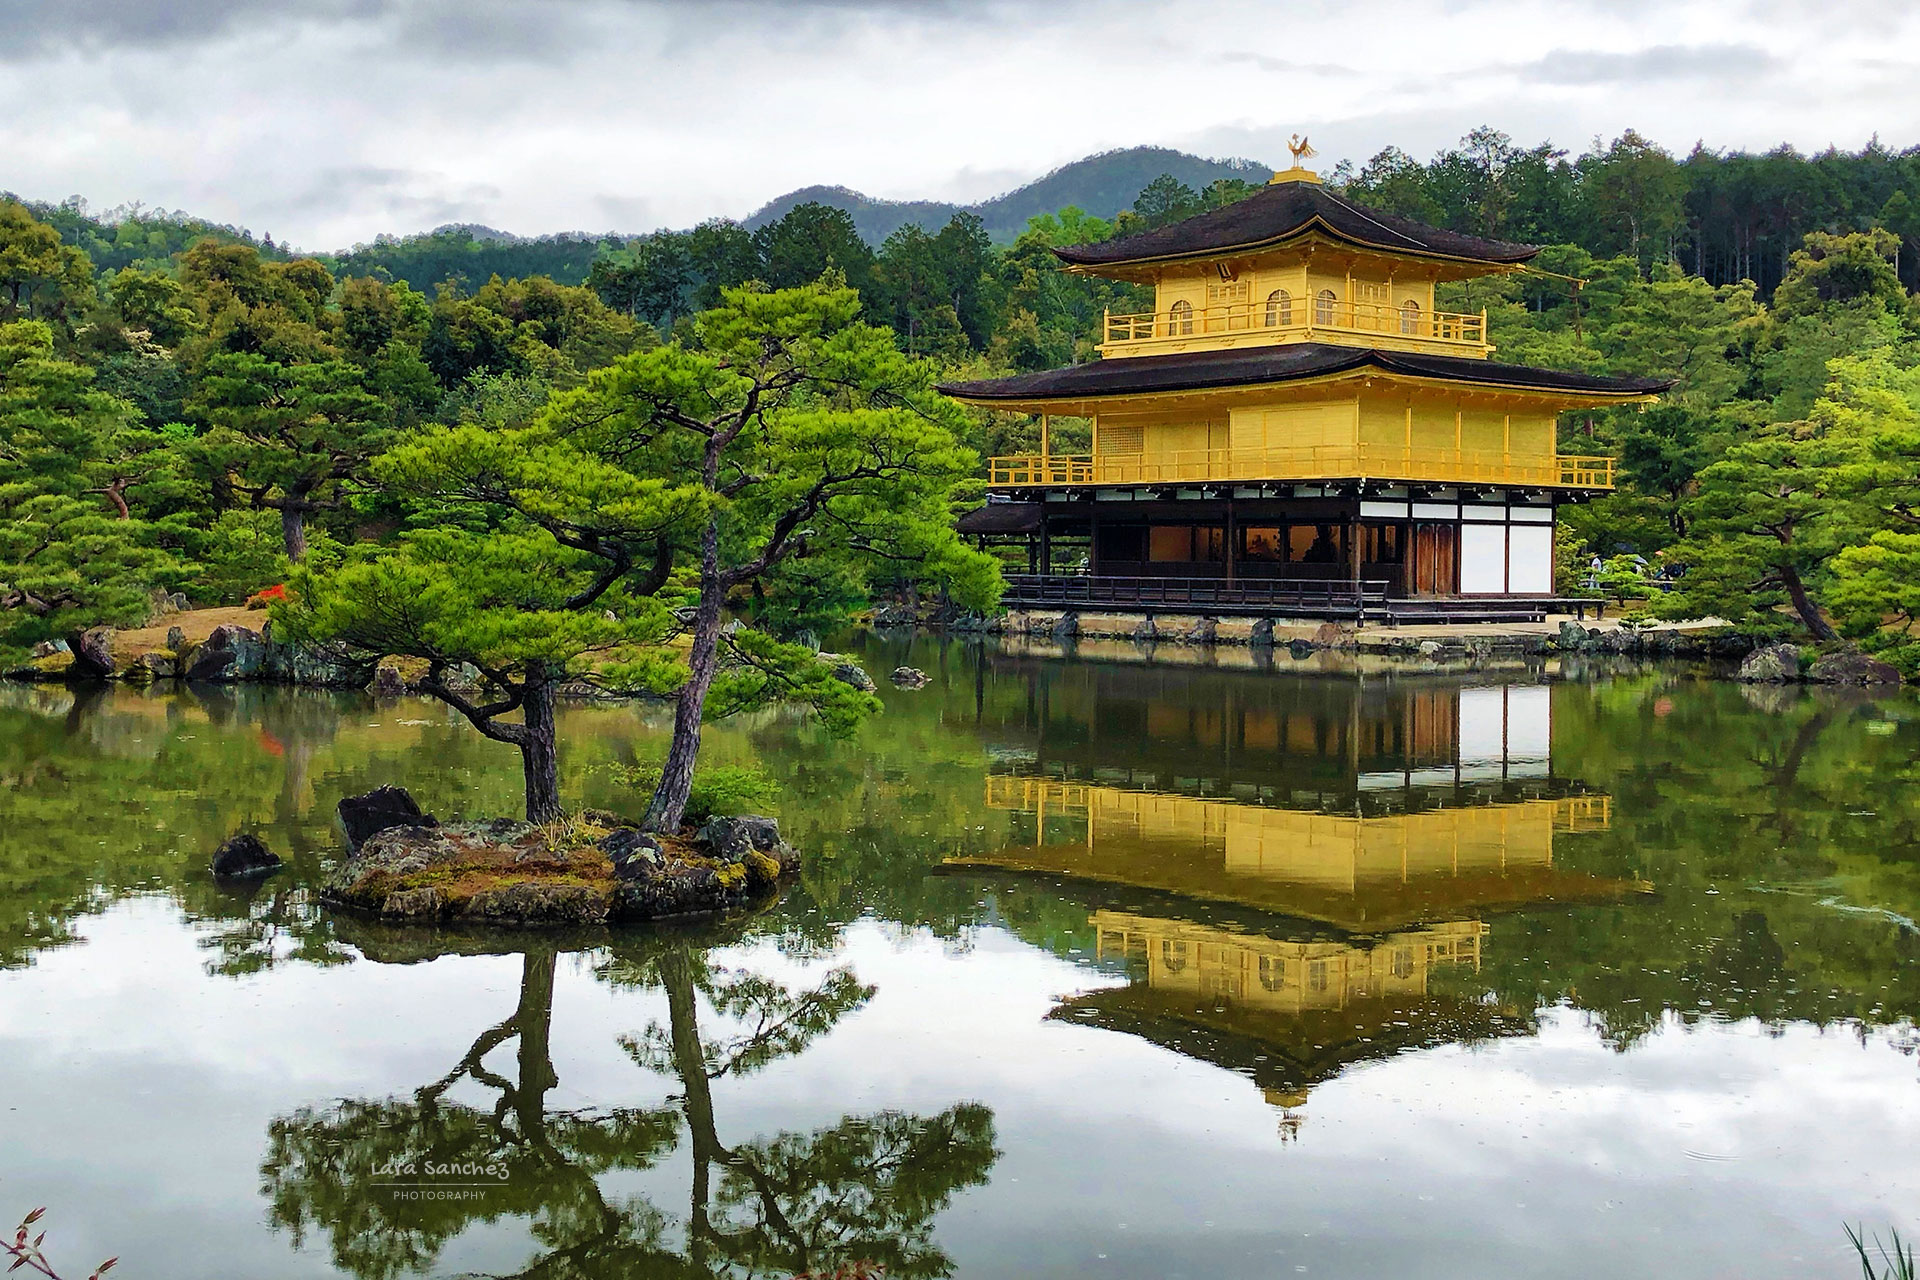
<point x="1001" y="517"/>
<point x="1282" y="211"/>
<point x="1256" y="366"/>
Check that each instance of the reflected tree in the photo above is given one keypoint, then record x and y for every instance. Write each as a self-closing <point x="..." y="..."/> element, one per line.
<point x="864" y="1189"/>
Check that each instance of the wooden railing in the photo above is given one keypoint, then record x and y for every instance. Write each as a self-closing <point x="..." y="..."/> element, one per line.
<point x="1583" y="813"/>
<point x="1301" y="317"/>
<point x="1029" y="793"/>
<point x="1318" y="597"/>
<point x="1305" y="462"/>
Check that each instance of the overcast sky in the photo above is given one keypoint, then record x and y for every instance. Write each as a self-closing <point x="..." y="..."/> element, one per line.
<point x="325" y="122"/>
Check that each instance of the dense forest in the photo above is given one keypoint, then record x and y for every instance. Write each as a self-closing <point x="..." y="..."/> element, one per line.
<point x="184" y="405"/>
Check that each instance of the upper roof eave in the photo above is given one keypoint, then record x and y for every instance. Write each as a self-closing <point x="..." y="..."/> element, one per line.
<point x="1247" y="368"/>
<point x="1282" y="212"/>
<point x="1305" y="232"/>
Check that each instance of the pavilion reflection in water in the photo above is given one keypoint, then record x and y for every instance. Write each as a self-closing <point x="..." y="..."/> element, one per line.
<point x="1287" y="932"/>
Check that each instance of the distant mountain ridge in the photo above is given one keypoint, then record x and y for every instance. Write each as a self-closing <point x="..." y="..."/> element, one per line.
<point x="1101" y="184"/>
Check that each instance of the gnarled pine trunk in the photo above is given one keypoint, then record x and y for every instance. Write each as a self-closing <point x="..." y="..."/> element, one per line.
<point x="669" y="804"/>
<point x="539" y="750"/>
<point x="293" y="530"/>
<point x="1803" y="605"/>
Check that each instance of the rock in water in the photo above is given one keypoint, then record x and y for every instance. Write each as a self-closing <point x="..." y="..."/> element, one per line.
<point x="910" y="678"/>
<point x="244" y="855"/>
<point x="230" y="653"/>
<point x="731" y="839"/>
<point x="379" y="810"/>
<point x="1852" y="668"/>
<point x="1775" y="664"/>
<point x="847" y="671"/>
<point x="388" y="682"/>
<point x="635" y="854"/>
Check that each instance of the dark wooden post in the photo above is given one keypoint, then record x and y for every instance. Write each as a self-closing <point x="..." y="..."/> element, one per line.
<point x="1233" y="540"/>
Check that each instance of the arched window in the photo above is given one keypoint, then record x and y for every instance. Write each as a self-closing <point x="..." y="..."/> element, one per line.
<point x="1173" y="956"/>
<point x="1180" y="317"/>
<point x="1403" y="962"/>
<point x="1409" y="316"/>
<point x="1273" y="973"/>
<point x="1323" y="305"/>
<point x="1279" y="308"/>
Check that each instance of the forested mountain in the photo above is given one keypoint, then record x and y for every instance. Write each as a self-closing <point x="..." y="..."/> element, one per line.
<point x="1101" y="184"/>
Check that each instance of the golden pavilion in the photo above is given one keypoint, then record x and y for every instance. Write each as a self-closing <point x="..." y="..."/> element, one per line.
<point x="1295" y="427"/>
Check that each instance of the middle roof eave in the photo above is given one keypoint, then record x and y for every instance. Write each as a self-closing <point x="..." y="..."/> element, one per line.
<point x="1266" y="366"/>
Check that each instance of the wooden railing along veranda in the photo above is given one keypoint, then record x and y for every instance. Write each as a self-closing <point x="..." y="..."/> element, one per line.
<point x="1303" y="462"/>
<point x="1294" y="318"/>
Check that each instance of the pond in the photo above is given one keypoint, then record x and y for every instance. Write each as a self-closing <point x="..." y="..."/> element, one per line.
<point x="1100" y="967"/>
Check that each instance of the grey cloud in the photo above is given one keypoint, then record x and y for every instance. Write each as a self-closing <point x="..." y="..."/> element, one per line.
<point x="510" y="29"/>
<point x="420" y="198"/>
<point x="1656" y="64"/>
<point x="37" y="28"/>
<point x="1267" y="62"/>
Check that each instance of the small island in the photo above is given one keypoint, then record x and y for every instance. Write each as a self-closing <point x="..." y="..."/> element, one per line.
<point x="593" y="868"/>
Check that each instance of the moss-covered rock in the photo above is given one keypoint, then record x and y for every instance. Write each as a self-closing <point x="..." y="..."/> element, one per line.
<point x="592" y="869"/>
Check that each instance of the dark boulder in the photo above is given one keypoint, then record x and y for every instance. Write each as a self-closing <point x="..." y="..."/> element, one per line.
<point x="910" y="678"/>
<point x="731" y="839"/>
<point x="847" y="671"/>
<point x="379" y="810"/>
<point x="1775" y="664"/>
<point x="92" y="654"/>
<point x="387" y="682"/>
<point x="635" y="854"/>
<point x="231" y="653"/>
<point x="244" y="855"/>
<point x="1067" y="628"/>
<point x="1852" y="667"/>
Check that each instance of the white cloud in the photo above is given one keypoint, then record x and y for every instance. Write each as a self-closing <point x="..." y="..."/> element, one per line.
<point x="329" y="121"/>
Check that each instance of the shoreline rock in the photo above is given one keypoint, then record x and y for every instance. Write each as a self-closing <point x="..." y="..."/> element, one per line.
<point x="244" y="856"/>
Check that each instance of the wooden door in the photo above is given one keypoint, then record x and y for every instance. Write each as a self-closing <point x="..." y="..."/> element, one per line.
<point x="1435" y="570"/>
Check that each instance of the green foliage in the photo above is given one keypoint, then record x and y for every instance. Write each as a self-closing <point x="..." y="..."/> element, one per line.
<point x="40" y="278"/>
<point x="1895" y="1259"/>
<point x="239" y="553"/>
<point x="69" y="559"/>
<point x="1876" y="595"/>
<point x="285" y="437"/>
<point x="719" y="790"/>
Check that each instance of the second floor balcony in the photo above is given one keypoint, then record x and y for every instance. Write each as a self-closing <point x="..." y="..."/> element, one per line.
<point x="1281" y="317"/>
<point x="1347" y="461"/>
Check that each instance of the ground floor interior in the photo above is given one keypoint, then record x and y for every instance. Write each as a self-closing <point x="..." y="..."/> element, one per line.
<point x="1435" y="544"/>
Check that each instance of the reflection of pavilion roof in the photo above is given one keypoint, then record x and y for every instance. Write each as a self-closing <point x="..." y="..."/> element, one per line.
<point x="1361" y="874"/>
<point x="1288" y="1012"/>
<point x="1287" y="1053"/>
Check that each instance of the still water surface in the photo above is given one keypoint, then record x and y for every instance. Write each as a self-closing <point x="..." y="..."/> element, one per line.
<point x="1098" y="969"/>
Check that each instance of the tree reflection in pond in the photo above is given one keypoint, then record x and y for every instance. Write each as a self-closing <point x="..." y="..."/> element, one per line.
<point x="865" y="1189"/>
